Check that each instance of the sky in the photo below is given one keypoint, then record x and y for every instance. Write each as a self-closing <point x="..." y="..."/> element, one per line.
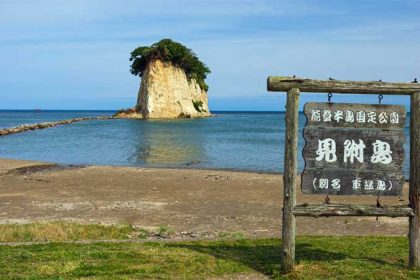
<point x="75" y="54"/>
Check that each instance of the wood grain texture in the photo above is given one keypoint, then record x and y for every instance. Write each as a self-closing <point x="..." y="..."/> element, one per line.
<point x="327" y="210"/>
<point x="290" y="179"/>
<point x="414" y="192"/>
<point x="280" y="83"/>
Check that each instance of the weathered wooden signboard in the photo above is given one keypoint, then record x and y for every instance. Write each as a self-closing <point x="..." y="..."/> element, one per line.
<point x="353" y="149"/>
<point x="350" y="149"/>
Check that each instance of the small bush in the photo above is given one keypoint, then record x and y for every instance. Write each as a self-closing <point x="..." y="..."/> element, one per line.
<point x="124" y="111"/>
<point x="198" y="105"/>
<point x="170" y="51"/>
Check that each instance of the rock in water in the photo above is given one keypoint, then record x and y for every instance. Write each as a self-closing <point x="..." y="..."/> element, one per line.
<point x="166" y="92"/>
<point x="172" y="85"/>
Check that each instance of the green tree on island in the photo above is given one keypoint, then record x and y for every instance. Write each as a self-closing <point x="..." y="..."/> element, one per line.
<point x="170" y="51"/>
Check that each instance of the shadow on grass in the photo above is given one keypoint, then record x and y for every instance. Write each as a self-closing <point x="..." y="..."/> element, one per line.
<point x="262" y="258"/>
<point x="401" y="264"/>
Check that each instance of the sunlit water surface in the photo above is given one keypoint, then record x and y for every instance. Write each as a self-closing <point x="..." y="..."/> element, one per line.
<point x="252" y="141"/>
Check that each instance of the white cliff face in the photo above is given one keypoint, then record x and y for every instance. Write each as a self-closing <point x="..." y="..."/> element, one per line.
<point x="165" y="92"/>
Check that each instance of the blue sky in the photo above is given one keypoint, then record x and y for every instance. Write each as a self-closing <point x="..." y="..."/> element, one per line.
<point x="74" y="54"/>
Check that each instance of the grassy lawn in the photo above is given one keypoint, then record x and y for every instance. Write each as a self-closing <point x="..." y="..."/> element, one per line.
<point x="65" y="231"/>
<point x="317" y="258"/>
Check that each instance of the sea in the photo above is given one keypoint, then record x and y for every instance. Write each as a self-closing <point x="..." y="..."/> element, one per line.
<point x="245" y="141"/>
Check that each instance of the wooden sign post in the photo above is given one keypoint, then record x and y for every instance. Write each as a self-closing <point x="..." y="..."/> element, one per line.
<point x="350" y="149"/>
<point x="290" y="180"/>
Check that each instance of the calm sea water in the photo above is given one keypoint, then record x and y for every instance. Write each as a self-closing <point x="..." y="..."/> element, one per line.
<point x="251" y="141"/>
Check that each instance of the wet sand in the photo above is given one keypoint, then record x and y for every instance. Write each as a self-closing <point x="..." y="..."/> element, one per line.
<point x="194" y="203"/>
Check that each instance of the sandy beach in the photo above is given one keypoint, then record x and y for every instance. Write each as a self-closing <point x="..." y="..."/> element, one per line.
<point x="197" y="203"/>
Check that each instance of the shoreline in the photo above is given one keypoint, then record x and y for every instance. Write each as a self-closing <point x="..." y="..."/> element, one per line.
<point x="201" y="202"/>
<point x="163" y="167"/>
<point x="186" y="167"/>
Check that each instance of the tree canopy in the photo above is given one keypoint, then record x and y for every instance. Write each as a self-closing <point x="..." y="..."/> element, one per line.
<point x="170" y="51"/>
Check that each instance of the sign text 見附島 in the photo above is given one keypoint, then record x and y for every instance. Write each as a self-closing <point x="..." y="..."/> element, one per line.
<point x="353" y="149"/>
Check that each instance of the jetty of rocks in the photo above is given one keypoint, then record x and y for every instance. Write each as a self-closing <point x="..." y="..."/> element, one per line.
<point x="27" y="127"/>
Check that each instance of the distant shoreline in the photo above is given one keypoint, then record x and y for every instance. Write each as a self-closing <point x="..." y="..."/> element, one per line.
<point x="113" y="111"/>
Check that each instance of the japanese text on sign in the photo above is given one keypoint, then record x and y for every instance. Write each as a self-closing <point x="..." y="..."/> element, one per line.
<point x="353" y="149"/>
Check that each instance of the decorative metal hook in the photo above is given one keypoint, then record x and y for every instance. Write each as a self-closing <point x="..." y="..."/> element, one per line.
<point x="380" y="97"/>
<point x="329" y="97"/>
<point x="329" y="94"/>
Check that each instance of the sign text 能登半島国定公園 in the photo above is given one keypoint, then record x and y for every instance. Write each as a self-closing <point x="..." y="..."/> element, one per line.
<point x="353" y="149"/>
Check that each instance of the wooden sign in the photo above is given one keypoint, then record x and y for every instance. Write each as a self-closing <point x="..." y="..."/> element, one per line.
<point x="353" y="149"/>
<point x="350" y="149"/>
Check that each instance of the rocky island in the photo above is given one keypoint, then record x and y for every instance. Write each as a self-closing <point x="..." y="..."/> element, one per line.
<point x="172" y="82"/>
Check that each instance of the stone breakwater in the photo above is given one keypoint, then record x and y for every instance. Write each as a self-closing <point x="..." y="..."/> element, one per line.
<point x="27" y="127"/>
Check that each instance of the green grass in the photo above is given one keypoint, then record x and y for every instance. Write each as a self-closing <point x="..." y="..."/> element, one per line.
<point x="63" y="231"/>
<point x="317" y="258"/>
